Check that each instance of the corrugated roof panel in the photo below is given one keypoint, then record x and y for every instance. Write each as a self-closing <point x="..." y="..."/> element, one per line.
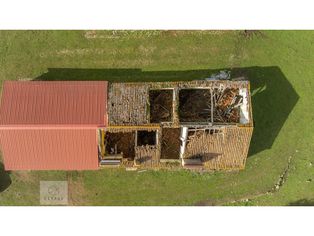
<point x="54" y="103"/>
<point x="49" y="148"/>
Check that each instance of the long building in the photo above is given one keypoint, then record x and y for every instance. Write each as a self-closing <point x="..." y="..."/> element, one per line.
<point x="82" y="125"/>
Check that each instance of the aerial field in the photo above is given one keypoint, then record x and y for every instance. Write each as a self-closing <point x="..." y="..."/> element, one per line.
<point x="279" y="65"/>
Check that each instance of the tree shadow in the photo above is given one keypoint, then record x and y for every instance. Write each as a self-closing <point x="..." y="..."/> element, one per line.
<point x="302" y="202"/>
<point x="5" y="180"/>
<point x="273" y="97"/>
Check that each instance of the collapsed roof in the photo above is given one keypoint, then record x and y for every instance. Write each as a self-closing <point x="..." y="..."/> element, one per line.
<point x="201" y="101"/>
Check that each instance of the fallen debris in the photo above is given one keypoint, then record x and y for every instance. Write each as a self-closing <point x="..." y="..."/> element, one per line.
<point x="222" y="75"/>
<point x="227" y="104"/>
<point x="130" y="168"/>
<point x="160" y="105"/>
<point x="120" y="143"/>
<point x="145" y="137"/>
<point x="195" y="105"/>
<point x="170" y="143"/>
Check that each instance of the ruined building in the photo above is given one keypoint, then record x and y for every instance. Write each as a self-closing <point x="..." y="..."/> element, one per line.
<point x="87" y="125"/>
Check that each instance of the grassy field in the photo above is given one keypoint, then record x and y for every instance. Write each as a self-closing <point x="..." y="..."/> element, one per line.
<point x="279" y="64"/>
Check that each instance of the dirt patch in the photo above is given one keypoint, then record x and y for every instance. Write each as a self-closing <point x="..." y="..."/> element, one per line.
<point x="195" y="105"/>
<point x="160" y="105"/>
<point x="120" y="143"/>
<point x="76" y="189"/>
<point x="26" y="176"/>
<point x="170" y="143"/>
<point x="146" y="138"/>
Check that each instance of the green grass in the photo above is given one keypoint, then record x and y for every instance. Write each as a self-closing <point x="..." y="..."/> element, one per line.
<point x="278" y="64"/>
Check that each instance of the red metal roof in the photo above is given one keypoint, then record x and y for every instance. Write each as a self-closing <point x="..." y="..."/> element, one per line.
<point x="54" y="103"/>
<point x="52" y="125"/>
<point x="49" y="148"/>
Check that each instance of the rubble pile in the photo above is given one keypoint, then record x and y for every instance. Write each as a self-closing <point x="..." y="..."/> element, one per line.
<point x="160" y="105"/>
<point x="195" y="105"/>
<point x="227" y="104"/>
